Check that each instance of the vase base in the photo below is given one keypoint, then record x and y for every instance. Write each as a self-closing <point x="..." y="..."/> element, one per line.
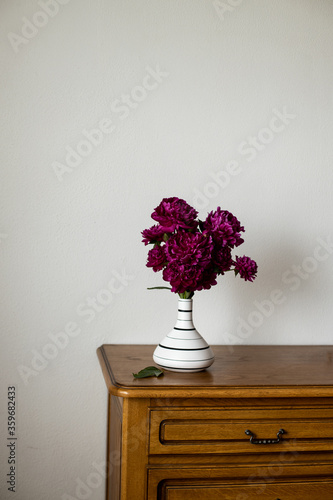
<point x="182" y="370"/>
<point x="182" y="365"/>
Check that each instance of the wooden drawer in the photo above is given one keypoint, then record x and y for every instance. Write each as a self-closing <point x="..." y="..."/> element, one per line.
<point x="186" y="431"/>
<point x="296" y="482"/>
<point x="280" y="491"/>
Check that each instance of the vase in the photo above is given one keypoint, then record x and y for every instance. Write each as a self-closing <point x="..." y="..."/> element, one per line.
<point x="184" y="349"/>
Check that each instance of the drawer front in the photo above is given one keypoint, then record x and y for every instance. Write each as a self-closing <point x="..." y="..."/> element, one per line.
<point x="264" y="491"/>
<point x="296" y="482"/>
<point x="224" y="430"/>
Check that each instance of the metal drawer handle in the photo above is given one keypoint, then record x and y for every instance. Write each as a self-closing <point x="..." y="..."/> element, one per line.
<point x="253" y="439"/>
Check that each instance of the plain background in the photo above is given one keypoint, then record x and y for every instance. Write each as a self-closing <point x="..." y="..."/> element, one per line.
<point x="70" y="240"/>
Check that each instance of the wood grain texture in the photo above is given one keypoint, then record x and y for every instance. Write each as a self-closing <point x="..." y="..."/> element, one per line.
<point x="182" y="436"/>
<point x="290" y="482"/>
<point x="246" y="371"/>
<point x="134" y="449"/>
<point x="229" y="459"/>
<point x="285" y="491"/>
<point x="114" y="446"/>
<point x="223" y="430"/>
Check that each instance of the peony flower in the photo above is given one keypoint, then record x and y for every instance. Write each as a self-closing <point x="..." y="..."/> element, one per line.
<point x="175" y="213"/>
<point x="191" y="253"/>
<point x="222" y="259"/>
<point x="189" y="248"/>
<point x="208" y="279"/>
<point x="156" y="258"/>
<point x="224" y="228"/>
<point x="182" y="277"/>
<point x="154" y="234"/>
<point x="246" y="267"/>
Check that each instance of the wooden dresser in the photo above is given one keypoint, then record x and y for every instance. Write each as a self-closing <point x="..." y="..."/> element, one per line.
<point x="258" y="424"/>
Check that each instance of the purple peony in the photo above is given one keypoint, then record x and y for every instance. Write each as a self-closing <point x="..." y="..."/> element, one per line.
<point x="246" y="267"/>
<point x="224" y="228"/>
<point x="188" y="278"/>
<point x="182" y="277"/>
<point x="156" y="258"/>
<point x="222" y="259"/>
<point x="208" y="279"/>
<point x="189" y="248"/>
<point x="190" y="253"/>
<point x="174" y="213"/>
<point x="154" y="234"/>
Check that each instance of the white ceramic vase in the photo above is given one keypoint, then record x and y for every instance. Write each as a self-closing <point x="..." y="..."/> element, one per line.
<point x="184" y="349"/>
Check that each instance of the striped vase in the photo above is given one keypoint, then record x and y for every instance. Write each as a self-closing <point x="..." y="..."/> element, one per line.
<point x="184" y="349"/>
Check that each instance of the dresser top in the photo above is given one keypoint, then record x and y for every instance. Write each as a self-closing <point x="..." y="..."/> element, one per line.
<point x="238" y="371"/>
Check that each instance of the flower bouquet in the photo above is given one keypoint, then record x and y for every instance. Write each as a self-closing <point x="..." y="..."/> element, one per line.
<point x="191" y="255"/>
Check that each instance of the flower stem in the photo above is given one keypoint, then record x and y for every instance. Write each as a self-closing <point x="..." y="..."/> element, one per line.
<point x="186" y="295"/>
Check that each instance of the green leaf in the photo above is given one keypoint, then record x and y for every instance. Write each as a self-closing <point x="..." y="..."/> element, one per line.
<point x="159" y="288"/>
<point x="149" y="371"/>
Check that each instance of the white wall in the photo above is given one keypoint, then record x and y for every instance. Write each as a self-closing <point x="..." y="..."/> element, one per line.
<point x="65" y="233"/>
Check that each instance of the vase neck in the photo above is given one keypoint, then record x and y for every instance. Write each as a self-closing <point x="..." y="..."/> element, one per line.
<point x="185" y="309"/>
<point x="185" y="304"/>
